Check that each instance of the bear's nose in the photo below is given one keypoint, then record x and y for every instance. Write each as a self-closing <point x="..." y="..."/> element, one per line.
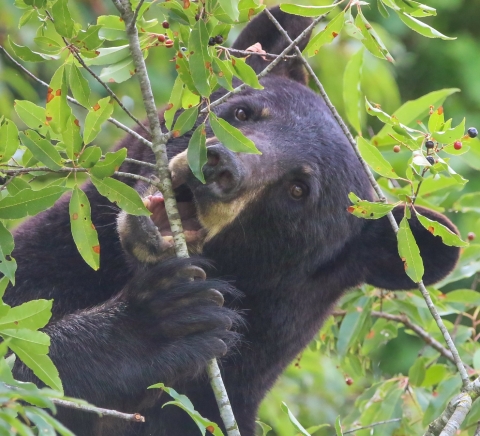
<point x="223" y="169"/>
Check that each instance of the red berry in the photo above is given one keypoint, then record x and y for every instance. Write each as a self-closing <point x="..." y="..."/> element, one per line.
<point x="349" y="381"/>
<point x="168" y="43"/>
<point x="165" y="24"/>
<point x="471" y="236"/>
<point x="396" y="149"/>
<point x="161" y="38"/>
<point x="457" y="145"/>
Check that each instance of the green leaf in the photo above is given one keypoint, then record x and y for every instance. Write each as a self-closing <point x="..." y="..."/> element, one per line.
<point x="42" y="150"/>
<point x="29" y="202"/>
<point x="43" y="427"/>
<point x="8" y="265"/>
<point x="231" y="137"/>
<point x="121" y="194"/>
<point x="382" y="9"/>
<point x="59" y="427"/>
<point x="109" y="55"/>
<point x="371" y="40"/>
<point x="34" y="341"/>
<point x="25" y="18"/>
<point x="119" y="72"/>
<point x="63" y="22"/>
<point x="174" y="102"/>
<point x="9" y="142"/>
<point x="185" y="121"/>
<point x="245" y="72"/>
<point x="464" y="296"/>
<point x="95" y="118"/>
<point x="451" y="135"/>
<point x="352" y="325"/>
<point x="200" y="60"/>
<point x="409" y="252"/>
<point x="72" y="139"/>
<point x="83" y="231"/>
<point x="412" y="111"/>
<point x="417" y="372"/>
<point x="41" y="365"/>
<point x="197" y="152"/>
<point x="437" y="229"/>
<point x="79" y="86"/>
<point x="184" y="403"/>
<point x="306" y="11"/>
<point x="352" y="94"/>
<point x="89" y="39"/>
<point x="265" y="428"/>
<point x="25" y="54"/>
<point x="294" y="420"/>
<point x="436" y="120"/>
<point x="468" y="203"/>
<point x="326" y="36"/>
<point x="32" y="115"/>
<point x="422" y="28"/>
<point x="375" y="159"/>
<point x="367" y="209"/>
<point x="338" y="427"/>
<point x="90" y="157"/>
<point x="57" y="110"/>
<point x="32" y="315"/>
<point x="415" y="9"/>
<point x="223" y="73"/>
<point x="183" y="70"/>
<point x="111" y="163"/>
<point x="230" y="7"/>
<point x="375" y="111"/>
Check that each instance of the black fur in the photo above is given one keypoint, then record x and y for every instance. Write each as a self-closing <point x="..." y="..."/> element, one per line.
<point x="114" y="333"/>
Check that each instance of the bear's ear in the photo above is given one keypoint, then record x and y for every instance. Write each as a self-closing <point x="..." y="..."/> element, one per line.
<point x="262" y="30"/>
<point x="378" y="251"/>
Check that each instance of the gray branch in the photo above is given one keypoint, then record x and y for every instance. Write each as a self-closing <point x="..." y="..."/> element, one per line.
<point x="159" y="141"/>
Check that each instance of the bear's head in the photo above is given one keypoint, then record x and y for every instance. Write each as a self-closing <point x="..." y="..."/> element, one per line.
<point x="284" y="212"/>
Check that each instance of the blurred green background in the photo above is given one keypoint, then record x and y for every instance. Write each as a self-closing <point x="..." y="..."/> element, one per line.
<point x="314" y="387"/>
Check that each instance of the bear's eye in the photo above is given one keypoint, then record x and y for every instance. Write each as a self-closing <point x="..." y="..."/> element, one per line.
<point x="298" y="191"/>
<point x="241" y="114"/>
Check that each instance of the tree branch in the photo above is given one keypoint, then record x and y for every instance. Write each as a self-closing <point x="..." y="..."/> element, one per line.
<point x="159" y="141"/>
<point x="388" y="421"/>
<point x="381" y="196"/>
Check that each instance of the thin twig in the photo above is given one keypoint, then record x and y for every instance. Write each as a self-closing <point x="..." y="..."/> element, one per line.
<point x="140" y="162"/>
<point x="80" y="60"/>
<point x="135" y="417"/>
<point x="159" y="141"/>
<point x="458" y="361"/>
<point x="72" y="100"/>
<point x="254" y="53"/>
<point x="137" y="10"/>
<point x="388" y="421"/>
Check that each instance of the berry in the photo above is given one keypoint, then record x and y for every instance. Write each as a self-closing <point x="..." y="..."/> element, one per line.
<point x="472" y="132"/>
<point x="168" y="43"/>
<point x="183" y="48"/>
<point x="219" y="39"/>
<point x="457" y="145"/>
<point x="429" y="144"/>
<point x="349" y="381"/>
<point x="396" y="149"/>
<point x="161" y="38"/>
<point x="211" y="41"/>
<point x="165" y="24"/>
<point x="431" y="160"/>
<point x="471" y="236"/>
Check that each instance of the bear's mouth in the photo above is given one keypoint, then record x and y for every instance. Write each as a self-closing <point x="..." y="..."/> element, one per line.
<point x="192" y="228"/>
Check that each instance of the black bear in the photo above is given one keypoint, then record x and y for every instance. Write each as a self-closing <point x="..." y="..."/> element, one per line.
<point x="275" y="226"/>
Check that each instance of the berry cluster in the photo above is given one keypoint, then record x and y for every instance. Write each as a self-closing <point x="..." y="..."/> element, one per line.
<point x="215" y="40"/>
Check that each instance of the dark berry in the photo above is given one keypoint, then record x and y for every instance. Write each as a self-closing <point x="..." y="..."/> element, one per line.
<point x="161" y="38"/>
<point x="472" y="132"/>
<point x="396" y="149"/>
<point x="165" y="24"/>
<point x="457" y="145"/>
<point x="431" y="160"/>
<point x="211" y="41"/>
<point x="429" y="144"/>
<point x="197" y="17"/>
<point x="219" y="39"/>
<point x="349" y="381"/>
<point x="183" y="48"/>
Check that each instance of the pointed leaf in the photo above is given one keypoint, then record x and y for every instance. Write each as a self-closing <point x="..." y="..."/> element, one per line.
<point x="57" y="110"/>
<point x="111" y="163"/>
<point x="231" y="137"/>
<point x="29" y="202"/>
<point x="294" y="420"/>
<point x="437" y="229"/>
<point x="44" y="151"/>
<point x="9" y="142"/>
<point x="8" y="265"/>
<point x="72" y="139"/>
<point x="352" y="94"/>
<point x="79" y="86"/>
<point x="197" y="152"/>
<point x="371" y="40"/>
<point x="200" y="60"/>
<point x="25" y="54"/>
<point x="34" y="341"/>
<point x="338" y="427"/>
<point x="119" y="72"/>
<point x="174" y="102"/>
<point x="90" y="156"/>
<point x="421" y="27"/>
<point x="121" y="194"/>
<point x="306" y="11"/>
<point x="63" y="22"/>
<point x="367" y="209"/>
<point x="245" y="72"/>
<point x="32" y="315"/>
<point x="95" y="118"/>
<point x="375" y="159"/>
<point x="327" y="35"/>
<point x="32" y="115"/>
<point x="409" y="252"/>
<point x="185" y="121"/>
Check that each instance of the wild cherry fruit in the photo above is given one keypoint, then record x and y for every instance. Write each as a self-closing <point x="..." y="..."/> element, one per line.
<point x="396" y="149"/>
<point x="472" y="132"/>
<point x="457" y="145"/>
<point x="219" y="39"/>
<point x="431" y="160"/>
<point x="471" y="236"/>
<point x="429" y="144"/>
<point x="165" y="24"/>
<point x="161" y="38"/>
<point x="211" y="41"/>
